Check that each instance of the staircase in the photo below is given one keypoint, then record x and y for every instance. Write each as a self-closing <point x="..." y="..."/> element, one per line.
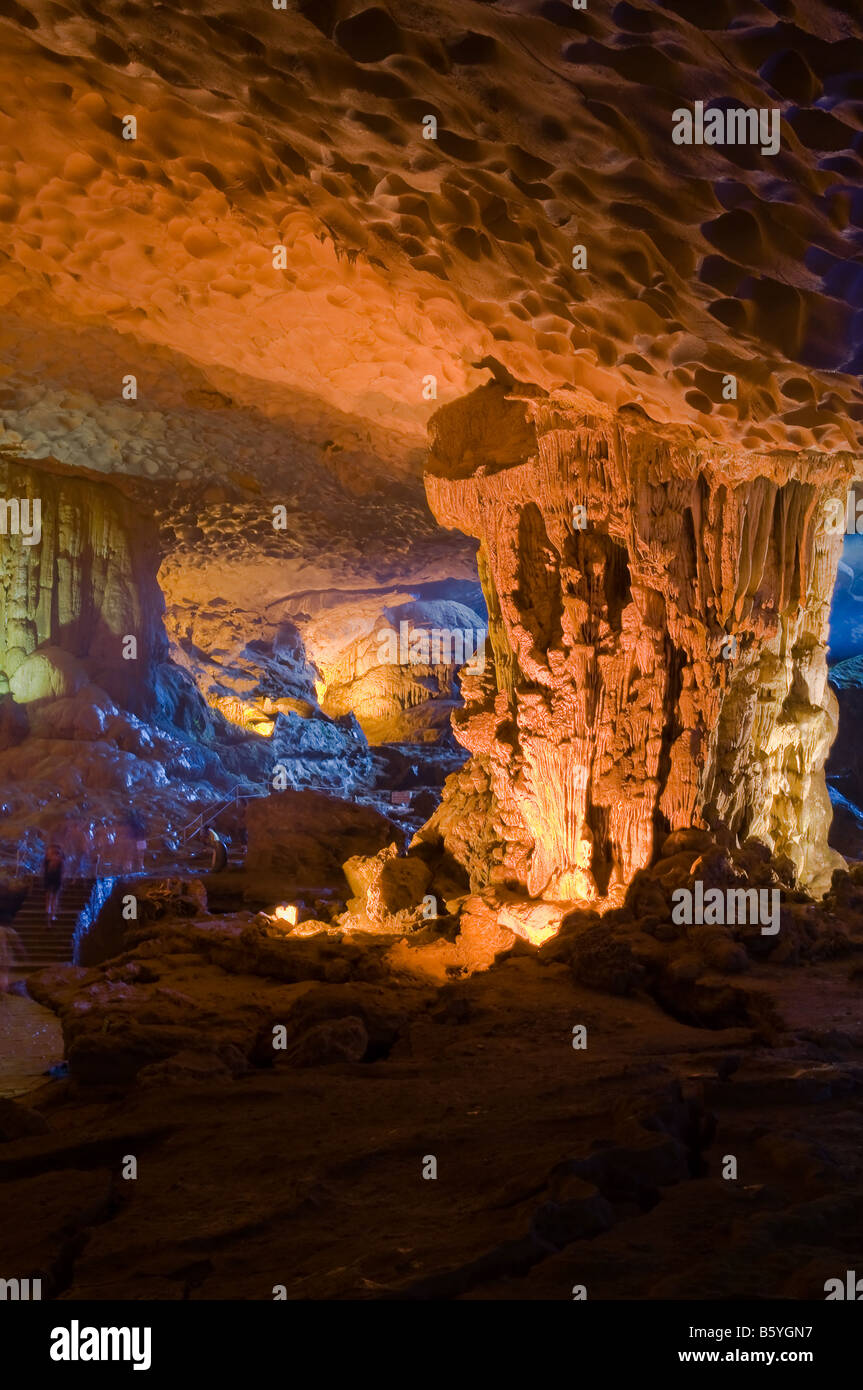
<point x="208" y="815"/>
<point x="43" y="942"/>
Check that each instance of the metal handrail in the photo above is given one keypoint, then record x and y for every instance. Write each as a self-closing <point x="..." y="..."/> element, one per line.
<point x="195" y="825"/>
<point x="201" y="819"/>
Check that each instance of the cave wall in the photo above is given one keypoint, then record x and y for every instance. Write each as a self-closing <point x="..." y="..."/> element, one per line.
<point x="658" y="619"/>
<point x="68" y="601"/>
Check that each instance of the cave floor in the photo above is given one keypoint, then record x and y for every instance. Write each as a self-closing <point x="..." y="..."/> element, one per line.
<point x="31" y="1040"/>
<point x="556" y="1166"/>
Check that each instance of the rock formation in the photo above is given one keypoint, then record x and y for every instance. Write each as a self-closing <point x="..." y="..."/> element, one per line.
<point x="248" y="255"/>
<point x="658" y="623"/>
<point x="292" y="619"/>
<point x="72" y="593"/>
<point x="294" y="301"/>
<point x="299" y="840"/>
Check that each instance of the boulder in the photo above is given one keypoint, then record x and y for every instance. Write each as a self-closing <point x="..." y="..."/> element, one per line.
<point x="169" y="898"/>
<point x="482" y="936"/>
<point x="19" y="1121"/>
<point x="388" y="890"/>
<point x="334" y="1040"/>
<point x="604" y="960"/>
<point x="536" y="922"/>
<point x="47" y="674"/>
<point x="194" y="1067"/>
<point x="99" y="1056"/>
<point x="692" y="842"/>
<point x="301" y="839"/>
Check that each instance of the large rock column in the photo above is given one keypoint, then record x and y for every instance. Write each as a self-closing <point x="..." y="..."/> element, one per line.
<point x="82" y="583"/>
<point x="657" y="660"/>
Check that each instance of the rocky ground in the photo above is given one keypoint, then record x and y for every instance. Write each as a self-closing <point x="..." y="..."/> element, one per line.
<point x="283" y="1090"/>
<point x="30" y="1042"/>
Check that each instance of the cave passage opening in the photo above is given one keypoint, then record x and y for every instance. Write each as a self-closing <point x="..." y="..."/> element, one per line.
<point x="323" y="657"/>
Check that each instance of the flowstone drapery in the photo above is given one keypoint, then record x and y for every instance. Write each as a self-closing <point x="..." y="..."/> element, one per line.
<point x="658" y="619"/>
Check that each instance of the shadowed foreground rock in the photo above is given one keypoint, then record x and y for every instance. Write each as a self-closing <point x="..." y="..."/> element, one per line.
<point x="258" y="1163"/>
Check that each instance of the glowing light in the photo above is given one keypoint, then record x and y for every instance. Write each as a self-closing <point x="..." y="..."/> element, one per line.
<point x="286" y="912"/>
<point x="247" y="716"/>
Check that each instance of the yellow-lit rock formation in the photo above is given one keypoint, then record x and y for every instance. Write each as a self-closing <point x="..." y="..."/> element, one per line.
<point x="658" y="622"/>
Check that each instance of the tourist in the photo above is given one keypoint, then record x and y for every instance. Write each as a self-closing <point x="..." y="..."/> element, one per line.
<point x="10" y="947"/>
<point x="52" y="872"/>
<point x="220" y="853"/>
<point x="103" y="844"/>
<point x="136" y="833"/>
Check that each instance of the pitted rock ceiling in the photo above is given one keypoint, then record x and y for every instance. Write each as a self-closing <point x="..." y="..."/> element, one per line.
<point x="407" y="256"/>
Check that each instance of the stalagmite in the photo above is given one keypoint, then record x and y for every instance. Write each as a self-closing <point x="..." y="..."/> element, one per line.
<point x="659" y="665"/>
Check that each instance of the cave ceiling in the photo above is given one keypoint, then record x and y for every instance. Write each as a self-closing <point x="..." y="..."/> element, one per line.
<point x="409" y="257"/>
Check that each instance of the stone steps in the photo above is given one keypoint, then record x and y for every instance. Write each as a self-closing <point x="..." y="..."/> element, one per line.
<point x="44" y="943"/>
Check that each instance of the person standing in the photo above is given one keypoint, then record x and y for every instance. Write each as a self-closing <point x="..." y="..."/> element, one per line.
<point x="10" y="948"/>
<point x="52" y="878"/>
<point x="102" y="846"/>
<point x="137" y="833"/>
<point x="219" y="861"/>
